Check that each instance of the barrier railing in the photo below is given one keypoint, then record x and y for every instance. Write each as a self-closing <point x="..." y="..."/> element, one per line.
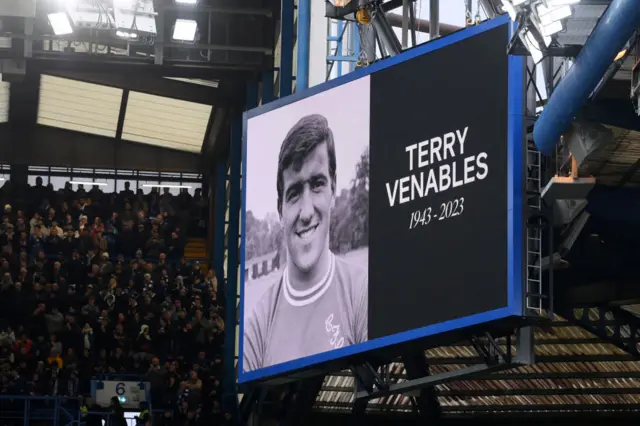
<point x="59" y="411"/>
<point x="50" y="410"/>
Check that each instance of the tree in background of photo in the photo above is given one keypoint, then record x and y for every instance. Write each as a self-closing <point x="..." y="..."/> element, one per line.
<point x="350" y="216"/>
<point x="263" y="236"/>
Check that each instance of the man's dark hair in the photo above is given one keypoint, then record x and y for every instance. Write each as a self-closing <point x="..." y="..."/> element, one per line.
<point x="309" y="132"/>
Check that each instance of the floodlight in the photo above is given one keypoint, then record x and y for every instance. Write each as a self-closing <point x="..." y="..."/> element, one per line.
<point x="549" y="15"/>
<point x="127" y="34"/>
<point x="88" y="14"/>
<point x="186" y="1"/>
<point x="153" y="185"/>
<point x="134" y="17"/>
<point x="60" y="23"/>
<point x="82" y="182"/>
<point x="552" y="28"/>
<point x="533" y="47"/>
<point x="185" y="30"/>
<point x="557" y="3"/>
<point x="508" y="7"/>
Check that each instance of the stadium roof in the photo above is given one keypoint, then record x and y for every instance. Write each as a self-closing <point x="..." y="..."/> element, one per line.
<point x="617" y="163"/>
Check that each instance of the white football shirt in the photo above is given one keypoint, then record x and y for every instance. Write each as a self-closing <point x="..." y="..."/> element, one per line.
<point x="288" y="324"/>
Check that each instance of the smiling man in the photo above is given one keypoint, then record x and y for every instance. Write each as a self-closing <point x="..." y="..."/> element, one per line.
<point x="320" y="301"/>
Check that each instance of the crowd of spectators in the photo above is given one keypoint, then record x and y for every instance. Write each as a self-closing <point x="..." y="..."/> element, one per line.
<point x="94" y="283"/>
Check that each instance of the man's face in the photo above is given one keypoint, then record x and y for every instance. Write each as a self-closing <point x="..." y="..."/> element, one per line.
<point x="307" y="199"/>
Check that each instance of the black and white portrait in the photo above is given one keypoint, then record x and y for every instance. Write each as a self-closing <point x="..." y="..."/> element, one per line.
<point x="307" y="227"/>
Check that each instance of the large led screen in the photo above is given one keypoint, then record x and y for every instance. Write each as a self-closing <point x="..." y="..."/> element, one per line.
<point x="384" y="207"/>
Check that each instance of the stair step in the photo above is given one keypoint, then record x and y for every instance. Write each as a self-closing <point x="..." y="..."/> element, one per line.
<point x="196" y="248"/>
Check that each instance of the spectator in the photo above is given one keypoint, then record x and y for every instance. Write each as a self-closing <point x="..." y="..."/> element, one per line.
<point x="95" y="283"/>
<point x="117" y="413"/>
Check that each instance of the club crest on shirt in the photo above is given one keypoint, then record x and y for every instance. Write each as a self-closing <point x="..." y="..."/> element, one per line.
<point x="333" y="330"/>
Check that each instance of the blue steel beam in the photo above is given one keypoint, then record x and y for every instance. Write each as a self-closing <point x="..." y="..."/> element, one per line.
<point x="286" y="48"/>
<point x="615" y="28"/>
<point x="233" y="247"/>
<point x="220" y="170"/>
<point x="267" y="87"/>
<point x="304" y="40"/>
<point x="231" y="289"/>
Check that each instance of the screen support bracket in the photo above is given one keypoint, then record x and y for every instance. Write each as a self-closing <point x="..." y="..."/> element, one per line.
<point x="609" y="325"/>
<point x="496" y="355"/>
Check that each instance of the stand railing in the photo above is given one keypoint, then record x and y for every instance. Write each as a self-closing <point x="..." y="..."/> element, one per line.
<point x="36" y="410"/>
<point x="50" y="411"/>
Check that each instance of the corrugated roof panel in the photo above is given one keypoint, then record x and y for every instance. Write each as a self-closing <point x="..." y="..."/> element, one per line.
<point x="575" y="371"/>
<point x="166" y="122"/>
<point x="4" y="101"/>
<point x="79" y="106"/>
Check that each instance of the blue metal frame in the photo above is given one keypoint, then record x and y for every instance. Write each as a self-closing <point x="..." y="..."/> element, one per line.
<point x="231" y="288"/>
<point x="515" y="206"/>
<point x="304" y="39"/>
<point x="339" y="58"/>
<point x="286" y="48"/>
<point x="220" y="170"/>
<point x="267" y="87"/>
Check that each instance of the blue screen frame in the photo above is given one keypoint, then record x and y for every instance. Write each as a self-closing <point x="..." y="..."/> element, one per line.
<point x="515" y="244"/>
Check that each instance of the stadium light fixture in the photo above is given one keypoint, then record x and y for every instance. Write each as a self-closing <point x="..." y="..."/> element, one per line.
<point x="185" y="30"/>
<point x="557" y="3"/>
<point x="187" y="1"/>
<point x="552" y="28"/>
<point x="533" y="47"/>
<point x="60" y="23"/>
<point x="549" y="15"/>
<point x="80" y="182"/>
<point x="134" y="18"/>
<point x="541" y="20"/>
<point x="153" y="185"/>
<point x="510" y="9"/>
<point x="127" y="34"/>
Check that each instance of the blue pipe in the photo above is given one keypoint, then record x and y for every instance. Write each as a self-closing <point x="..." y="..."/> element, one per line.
<point x="615" y="28"/>
<point x="304" y="40"/>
